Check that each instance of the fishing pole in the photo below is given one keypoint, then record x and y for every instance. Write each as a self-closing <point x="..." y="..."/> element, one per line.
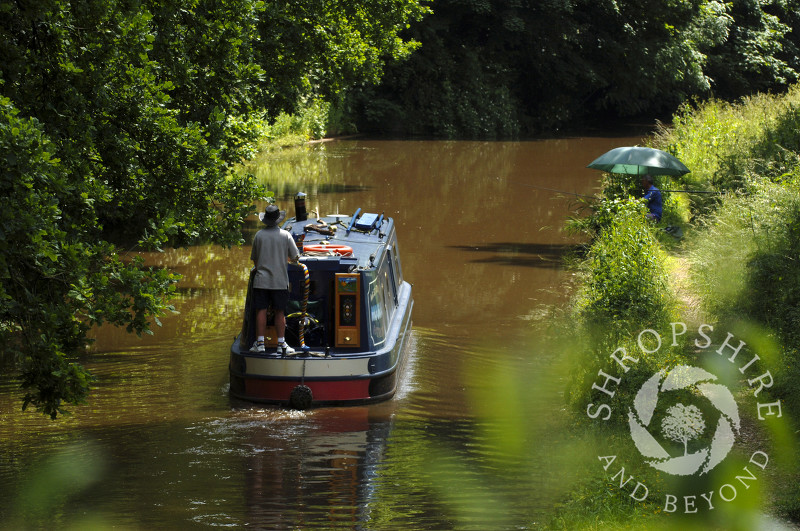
<point x="595" y="197"/>
<point x="694" y="191"/>
<point x="549" y="189"/>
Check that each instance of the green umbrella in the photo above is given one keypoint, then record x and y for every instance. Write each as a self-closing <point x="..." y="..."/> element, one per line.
<point x="638" y="161"/>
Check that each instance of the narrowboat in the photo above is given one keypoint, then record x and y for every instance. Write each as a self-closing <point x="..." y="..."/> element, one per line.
<point x="349" y="317"/>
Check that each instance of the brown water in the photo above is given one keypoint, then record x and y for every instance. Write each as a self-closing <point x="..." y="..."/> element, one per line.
<point x="470" y="441"/>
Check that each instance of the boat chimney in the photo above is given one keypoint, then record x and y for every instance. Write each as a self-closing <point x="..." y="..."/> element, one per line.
<point x="300" y="213"/>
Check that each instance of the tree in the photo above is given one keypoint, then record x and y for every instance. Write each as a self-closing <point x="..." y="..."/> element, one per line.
<point x="760" y="52"/>
<point x="120" y="125"/>
<point x="490" y="68"/>
<point x="683" y="424"/>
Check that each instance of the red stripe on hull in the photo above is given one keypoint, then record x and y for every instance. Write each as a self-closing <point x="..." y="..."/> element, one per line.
<point x="325" y="391"/>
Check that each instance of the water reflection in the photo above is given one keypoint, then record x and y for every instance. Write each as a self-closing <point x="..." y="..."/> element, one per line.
<point x="494" y="198"/>
<point x="549" y="255"/>
<point x="480" y="229"/>
<point x="317" y="473"/>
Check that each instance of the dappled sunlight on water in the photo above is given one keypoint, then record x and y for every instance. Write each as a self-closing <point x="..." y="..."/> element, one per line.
<point x="470" y="437"/>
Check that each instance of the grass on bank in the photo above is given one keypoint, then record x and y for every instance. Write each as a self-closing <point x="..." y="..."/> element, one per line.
<point x="284" y="137"/>
<point x="727" y="146"/>
<point x="744" y="254"/>
<point x="314" y="120"/>
<point x="739" y="264"/>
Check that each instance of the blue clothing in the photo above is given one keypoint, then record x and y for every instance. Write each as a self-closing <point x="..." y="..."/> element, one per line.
<point x="654" y="202"/>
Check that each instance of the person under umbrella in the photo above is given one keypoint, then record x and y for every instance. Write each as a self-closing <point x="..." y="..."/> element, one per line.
<point x="652" y="195"/>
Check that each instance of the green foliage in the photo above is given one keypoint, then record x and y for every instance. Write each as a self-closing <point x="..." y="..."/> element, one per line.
<point x="729" y="145"/>
<point x="470" y="98"/>
<point x="332" y="44"/>
<point x="311" y="122"/>
<point x="504" y="68"/>
<point x="626" y="285"/>
<point x="744" y="266"/>
<point x="57" y="278"/>
<point x="753" y="57"/>
<point x="773" y="291"/>
<point x="120" y="124"/>
<point x="718" y="253"/>
<point x="743" y="253"/>
<point x="597" y="213"/>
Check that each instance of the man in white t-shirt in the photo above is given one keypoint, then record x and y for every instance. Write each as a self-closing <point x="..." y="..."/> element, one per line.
<point x="273" y="248"/>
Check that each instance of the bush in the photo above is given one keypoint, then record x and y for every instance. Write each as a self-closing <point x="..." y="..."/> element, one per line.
<point x="310" y="122"/>
<point x="742" y="253"/>
<point x="624" y="290"/>
<point x="743" y="258"/>
<point x="626" y="285"/>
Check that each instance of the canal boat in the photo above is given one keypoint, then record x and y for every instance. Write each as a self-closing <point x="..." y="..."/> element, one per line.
<point x="349" y="318"/>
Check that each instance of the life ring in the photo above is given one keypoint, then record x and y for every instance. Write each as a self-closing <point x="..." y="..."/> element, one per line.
<point x="339" y="250"/>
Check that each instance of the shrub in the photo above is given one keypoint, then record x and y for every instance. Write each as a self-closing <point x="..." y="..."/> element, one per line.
<point x="310" y="122"/>
<point x="626" y="283"/>
<point x="748" y="244"/>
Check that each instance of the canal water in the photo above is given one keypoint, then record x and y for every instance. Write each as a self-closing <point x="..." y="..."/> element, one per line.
<point x="475" y="437"/>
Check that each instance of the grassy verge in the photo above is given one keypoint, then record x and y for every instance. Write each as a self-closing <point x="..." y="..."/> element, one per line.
<point x="314" y="120"/>
<point x="738" y="267"/>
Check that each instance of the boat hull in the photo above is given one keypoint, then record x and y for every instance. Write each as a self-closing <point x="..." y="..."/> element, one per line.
<point x="338" y="378"/>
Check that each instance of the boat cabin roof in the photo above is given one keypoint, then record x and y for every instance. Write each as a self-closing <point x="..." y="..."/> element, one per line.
<point x="368" y="235"/>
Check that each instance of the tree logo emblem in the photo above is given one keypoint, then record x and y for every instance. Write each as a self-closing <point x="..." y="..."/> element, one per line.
<point x="681" y="423"/>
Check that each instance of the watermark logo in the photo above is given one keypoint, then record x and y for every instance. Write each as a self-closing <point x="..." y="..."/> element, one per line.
<point x="684" y="421"/>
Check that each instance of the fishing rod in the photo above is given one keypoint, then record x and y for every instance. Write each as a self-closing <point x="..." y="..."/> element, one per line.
<point x="595" y="197"/>
<point x="548" y="189"/>
<point x="694" y="191"/>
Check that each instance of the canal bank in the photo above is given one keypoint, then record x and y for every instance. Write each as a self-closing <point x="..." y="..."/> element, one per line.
<point x="734" y="272"/>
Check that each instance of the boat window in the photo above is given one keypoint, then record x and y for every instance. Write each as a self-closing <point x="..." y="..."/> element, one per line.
<point x="389" y="276"/>
<point x="398" y="271"/>
<point x="388" y="305"/>
<point x="389" y="292"/>
<point x="377" y="325"/>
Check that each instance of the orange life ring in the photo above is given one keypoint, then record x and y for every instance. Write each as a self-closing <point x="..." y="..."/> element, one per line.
<point x="339" y="250"/>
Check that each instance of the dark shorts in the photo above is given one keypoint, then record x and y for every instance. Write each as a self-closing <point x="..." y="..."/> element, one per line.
<point x="277" y="299"/>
